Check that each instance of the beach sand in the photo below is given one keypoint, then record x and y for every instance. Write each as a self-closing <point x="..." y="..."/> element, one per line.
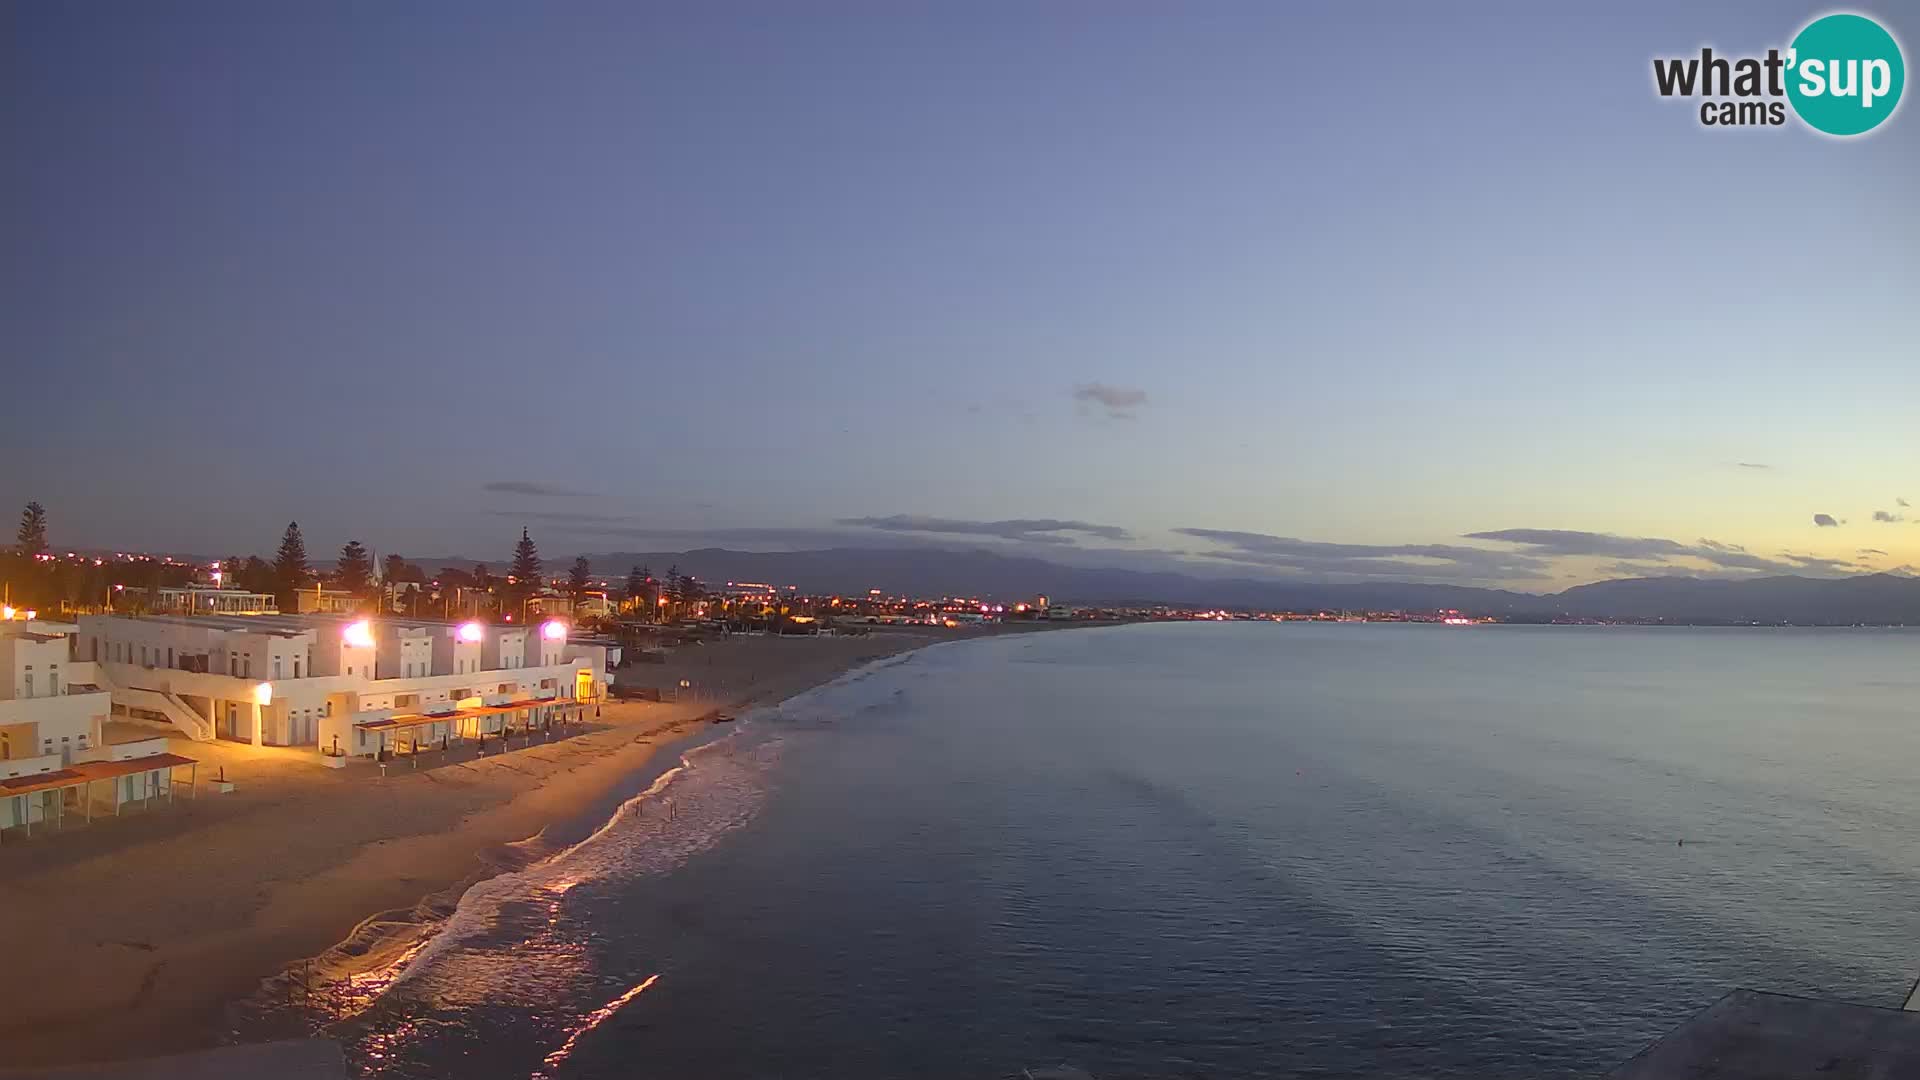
<point x="130" y="937"/>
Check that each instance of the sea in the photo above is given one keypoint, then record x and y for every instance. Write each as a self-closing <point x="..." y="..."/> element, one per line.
<point x="1212" y="850"/>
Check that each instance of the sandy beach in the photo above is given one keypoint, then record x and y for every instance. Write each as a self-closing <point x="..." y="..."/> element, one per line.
<point x="131" y="936"/>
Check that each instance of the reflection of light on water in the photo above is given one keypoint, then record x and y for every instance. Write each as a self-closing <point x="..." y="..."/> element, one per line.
<point x="355" y="994"/>
<point x="592" y="1020"/>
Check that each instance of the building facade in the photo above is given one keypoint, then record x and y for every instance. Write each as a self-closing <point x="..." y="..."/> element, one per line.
<point x="319" y="680"/>
<point x="50" y="704"/>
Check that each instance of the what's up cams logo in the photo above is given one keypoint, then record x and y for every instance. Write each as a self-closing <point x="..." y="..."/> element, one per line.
<point x="1842" y="75"/>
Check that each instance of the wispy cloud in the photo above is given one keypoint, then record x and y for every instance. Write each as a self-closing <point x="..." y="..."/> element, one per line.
<point x="1888" y="516"/>
<point x="1901" y="502"/>
<point x="1028" y="530"/>
<point x="1657" y="552"/>
<point x="1871" y="551"/>
<point x="1120" y="402"/>
<point x="1751" y="465"/>
<point x="529" y="487"/>
<point x="1406" y="562"/>
<point x="1825" y="521"/>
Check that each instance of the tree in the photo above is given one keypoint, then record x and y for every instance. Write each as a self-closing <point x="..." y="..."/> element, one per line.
<point x="636" y="584"/>
<point x="394" y="569"/>
<point x="356" y="569"/>
<point x="526" y="562"/>
<point x="290" y="565"/>
<point x="32" y="537"/>
<point x="255" y="575"/>
<point x="481" y="579"/>
<point x="577" y="578"/>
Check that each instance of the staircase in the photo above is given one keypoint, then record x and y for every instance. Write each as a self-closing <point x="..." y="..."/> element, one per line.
<point x="164" y="703"/>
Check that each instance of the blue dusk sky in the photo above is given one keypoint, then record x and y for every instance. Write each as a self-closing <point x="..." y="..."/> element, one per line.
<point x="1329" y="291"/>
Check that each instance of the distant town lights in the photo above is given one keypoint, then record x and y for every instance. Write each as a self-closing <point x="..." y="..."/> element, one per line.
<point x="359" y="635"/>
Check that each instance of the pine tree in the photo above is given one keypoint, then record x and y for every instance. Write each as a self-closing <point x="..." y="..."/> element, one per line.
<point x="577" y="577"/>
<point x="356" y="569"/>
<point x="290" y="565"/>
<point x="526" y="562"/>
<point x="33" y="530"/>
<point x="482" y="580"/>
<point x="636" y="583"/>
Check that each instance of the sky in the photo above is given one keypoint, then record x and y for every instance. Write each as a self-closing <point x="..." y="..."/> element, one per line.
<point x="1337" y="292"/>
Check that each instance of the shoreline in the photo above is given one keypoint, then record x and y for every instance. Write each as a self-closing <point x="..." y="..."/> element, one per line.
<point x="307" y="877"/>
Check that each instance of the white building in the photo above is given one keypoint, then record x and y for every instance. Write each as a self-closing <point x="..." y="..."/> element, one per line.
<point x="207" y="600"/>
<point x="338" y="683"/>
<point x="50" y="705"/>
<point x="53" y="754"/>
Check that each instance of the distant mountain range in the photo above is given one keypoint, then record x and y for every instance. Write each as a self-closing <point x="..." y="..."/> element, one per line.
<point x="1880" y="599"/>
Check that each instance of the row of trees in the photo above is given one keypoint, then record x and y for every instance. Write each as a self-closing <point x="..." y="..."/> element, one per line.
<point x="32" y="578"/>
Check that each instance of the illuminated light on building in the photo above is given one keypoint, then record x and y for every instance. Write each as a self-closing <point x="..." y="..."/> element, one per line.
<point x="7" y="612"/>
<point x="359" y="635"/>
<point x="471" y="631"/>
<point x="553" y="630"/>
<point x="263" y="694"/>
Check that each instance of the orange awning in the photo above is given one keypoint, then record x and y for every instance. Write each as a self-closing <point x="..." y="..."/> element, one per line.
<point x="423" y="719"/>
<point x="86" y="772"/>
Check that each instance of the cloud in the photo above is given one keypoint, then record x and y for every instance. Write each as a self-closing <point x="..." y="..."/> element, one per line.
<point x="1825" y="521"/>
<point x="528" y="487"/>
<point x="1901" y="502"/>
<point x="1657" y="551"/>
<point x="1871" y="551"/>
<point x="1751" y="465"/>
<point x="1119" y="401"/>
<point x="1888" y="516"/>
<point x="1400" y="562"/>
<point x="1029" y="530"/>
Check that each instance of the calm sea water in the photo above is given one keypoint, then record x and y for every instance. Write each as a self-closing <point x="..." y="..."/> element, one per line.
<point x="1216" y="850"/>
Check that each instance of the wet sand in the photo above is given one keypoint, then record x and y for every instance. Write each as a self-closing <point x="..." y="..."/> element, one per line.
<point x="131" y="937"/>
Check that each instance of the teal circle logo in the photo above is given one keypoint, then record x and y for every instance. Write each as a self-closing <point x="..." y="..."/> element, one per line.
<point x="1845" y="74"/>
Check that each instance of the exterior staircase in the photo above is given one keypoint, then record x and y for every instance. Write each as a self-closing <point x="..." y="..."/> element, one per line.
<point x="163" y="703"/>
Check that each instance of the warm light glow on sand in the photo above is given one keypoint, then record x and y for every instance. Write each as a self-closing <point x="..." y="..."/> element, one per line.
<point x="359" y="635"/>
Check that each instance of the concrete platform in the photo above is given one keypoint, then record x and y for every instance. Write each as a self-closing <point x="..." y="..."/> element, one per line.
<point x="292" y="1059"/>
<point x="1754" y="1036"/>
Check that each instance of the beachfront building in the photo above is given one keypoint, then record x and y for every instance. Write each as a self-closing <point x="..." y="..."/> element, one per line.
<point x="54" y="757"/>
<point x="319" y="600"/>
<point x="345" y="685"/>
<point x="206" y="600"/>
<point x="50" y="704"/>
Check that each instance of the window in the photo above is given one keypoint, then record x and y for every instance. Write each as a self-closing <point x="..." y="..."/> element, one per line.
<point x="276" y="667"/>
<point x="296" y="667"/>
<point x="29" y="691"/>
<point x="53" y="683"/>
<point x="169" y="656"/>
<point x="246" y="667"/>
<point x="143" y="656"/>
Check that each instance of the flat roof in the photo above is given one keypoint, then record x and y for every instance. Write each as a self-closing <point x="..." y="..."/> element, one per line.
<point x="86" y="772"/>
